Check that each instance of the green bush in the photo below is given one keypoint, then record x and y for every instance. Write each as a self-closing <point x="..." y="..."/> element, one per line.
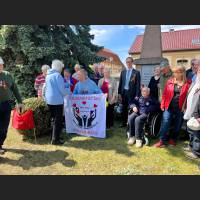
<point x="42" y="117"/>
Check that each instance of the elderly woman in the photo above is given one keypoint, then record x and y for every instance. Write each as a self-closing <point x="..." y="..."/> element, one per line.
<point x="173" y="104"/>
<point x="192" y="102"/>
<point x="85" y="85"/>
<point x="69" y="81"/>
<point x="109" y="87"/>
<point x="40" y="80"/>
<point x="153" y="84"/>
<point x="54" y="97"/>
<point x="77" y="68"/>
<point x="193" y="151"/>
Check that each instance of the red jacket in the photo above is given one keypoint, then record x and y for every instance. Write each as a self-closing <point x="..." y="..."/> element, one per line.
<point x="169" y="93"/>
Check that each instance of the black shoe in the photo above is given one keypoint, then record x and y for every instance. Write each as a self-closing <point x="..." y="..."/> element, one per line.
<point x="2" y="151"/>
<point x="59" y="142"/>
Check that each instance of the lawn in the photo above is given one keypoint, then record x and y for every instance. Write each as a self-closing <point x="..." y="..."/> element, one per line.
<point x="81" y="156"/>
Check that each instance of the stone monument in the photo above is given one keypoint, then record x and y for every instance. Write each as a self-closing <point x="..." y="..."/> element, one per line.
<point x="151" y="52"/>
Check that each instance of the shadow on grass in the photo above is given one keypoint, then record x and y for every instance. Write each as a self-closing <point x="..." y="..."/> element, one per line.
<point x="111" y="143"/>
<point x="32" y="158"/>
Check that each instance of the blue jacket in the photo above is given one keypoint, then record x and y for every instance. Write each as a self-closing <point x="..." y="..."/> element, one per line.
<point x="146" y="106"/>
<point x="54" y="88"/>
<point x="87" y="87"/>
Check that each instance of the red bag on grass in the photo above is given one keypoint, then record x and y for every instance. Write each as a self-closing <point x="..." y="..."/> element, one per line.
<point x="23" y="121"/>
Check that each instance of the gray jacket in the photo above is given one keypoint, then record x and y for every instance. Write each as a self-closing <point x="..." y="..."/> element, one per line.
<point x="195" y="99"/>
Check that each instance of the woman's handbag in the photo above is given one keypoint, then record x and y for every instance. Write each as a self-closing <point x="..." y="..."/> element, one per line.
<point x="193" y="124"/>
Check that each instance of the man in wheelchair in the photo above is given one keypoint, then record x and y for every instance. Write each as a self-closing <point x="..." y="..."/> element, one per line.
<point x="139" y="110"/>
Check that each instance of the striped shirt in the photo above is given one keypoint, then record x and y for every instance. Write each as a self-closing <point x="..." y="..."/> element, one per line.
<point x="39" y="82"/>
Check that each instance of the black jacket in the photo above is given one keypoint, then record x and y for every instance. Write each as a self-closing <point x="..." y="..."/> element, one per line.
<point x="146" y="106"/>
<point x="134" y="84"/>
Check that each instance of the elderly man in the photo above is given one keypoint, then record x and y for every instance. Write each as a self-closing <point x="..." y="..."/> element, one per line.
<point x="196" y="65"/>
<point x="86" y="85"/>
<point x="77" y="68"/>
<point x="95" y="76"/>
<point x="7" y="89"/>
<point x="40" y="80"/>
<point x="166" y="73"/>
<point x="100" y="70"/>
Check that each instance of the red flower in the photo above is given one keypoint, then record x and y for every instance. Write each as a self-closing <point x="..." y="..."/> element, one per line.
<point x="74" y="105"/>
<point x="95" y="105"/>
<point x="84" y="102"/>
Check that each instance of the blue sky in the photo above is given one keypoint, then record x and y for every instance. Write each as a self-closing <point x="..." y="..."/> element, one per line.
<point x="119" y="38"/>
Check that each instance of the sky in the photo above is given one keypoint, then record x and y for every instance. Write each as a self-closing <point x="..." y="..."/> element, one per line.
<point x="119" y="38"/>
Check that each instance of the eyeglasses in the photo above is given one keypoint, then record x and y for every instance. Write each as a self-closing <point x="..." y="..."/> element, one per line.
<point x="128" y="61"/>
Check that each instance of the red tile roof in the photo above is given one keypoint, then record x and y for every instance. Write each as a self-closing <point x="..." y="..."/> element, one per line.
<point x="172" y="41"/>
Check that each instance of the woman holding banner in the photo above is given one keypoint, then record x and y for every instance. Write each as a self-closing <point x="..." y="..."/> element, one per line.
<point x="109" y="87"/>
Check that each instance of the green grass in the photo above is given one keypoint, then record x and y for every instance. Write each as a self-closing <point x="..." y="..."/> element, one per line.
<point x="81" y="155"/>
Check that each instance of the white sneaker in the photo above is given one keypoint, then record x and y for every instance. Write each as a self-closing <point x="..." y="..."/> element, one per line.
<point x="131" y="141"/>
<point x="138" y="143"/>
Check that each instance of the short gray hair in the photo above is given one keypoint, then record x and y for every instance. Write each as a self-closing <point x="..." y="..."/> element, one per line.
<point x="45" y="68"/>
<point x="146" y="88"/>
<point x="57" y="65"/>
<point x="84" y="72"/>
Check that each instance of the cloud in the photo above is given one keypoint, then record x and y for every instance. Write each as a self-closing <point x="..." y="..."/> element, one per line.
<point x="98" y="33"/>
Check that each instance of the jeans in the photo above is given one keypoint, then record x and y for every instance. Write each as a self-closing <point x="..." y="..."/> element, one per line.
<point x="136" y="125"/>
<point x="5" y="112"/>
<point x="57" y="115"/>
<point x="166" y="122"/>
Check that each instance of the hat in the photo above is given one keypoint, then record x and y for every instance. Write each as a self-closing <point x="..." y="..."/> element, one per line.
<point x="164" y="63"/>
<point x="1" y="61"/>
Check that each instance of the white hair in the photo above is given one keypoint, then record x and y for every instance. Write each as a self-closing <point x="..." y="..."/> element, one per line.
<point x="78" y="66"/>
<point x="146" y="88"/>
<point x="1" y="61"/>
<point x="95" y="65"/>
<point x="57" y="65"/>
<point x="45" y="68"/>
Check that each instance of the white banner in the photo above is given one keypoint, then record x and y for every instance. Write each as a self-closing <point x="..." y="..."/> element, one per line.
<point x="86" y="115"/>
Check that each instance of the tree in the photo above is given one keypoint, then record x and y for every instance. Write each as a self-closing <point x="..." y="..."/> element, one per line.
<point x="26" y="47"/>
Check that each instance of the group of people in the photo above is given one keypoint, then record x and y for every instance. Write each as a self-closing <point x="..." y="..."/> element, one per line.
<point x="172" y="90"/>
<point x="59" y="82"/>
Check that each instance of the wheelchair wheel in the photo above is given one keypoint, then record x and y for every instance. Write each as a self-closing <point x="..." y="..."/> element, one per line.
<point x="155" y="125"/>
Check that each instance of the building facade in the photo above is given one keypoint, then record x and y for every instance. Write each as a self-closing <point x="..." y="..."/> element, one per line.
<point x="179" y="47"/>
<point x="112" y="61"/>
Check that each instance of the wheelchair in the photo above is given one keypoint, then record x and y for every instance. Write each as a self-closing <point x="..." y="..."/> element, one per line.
<point x="151" y="127"/>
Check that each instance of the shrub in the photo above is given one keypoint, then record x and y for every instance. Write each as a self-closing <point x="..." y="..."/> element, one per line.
<point x="42" y="117"/>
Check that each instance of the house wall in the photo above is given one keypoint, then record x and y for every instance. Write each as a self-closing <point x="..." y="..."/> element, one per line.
<point x="174" y="56"/>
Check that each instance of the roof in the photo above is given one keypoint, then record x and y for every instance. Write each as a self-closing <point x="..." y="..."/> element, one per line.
<point x="173" y="41"/>
<point x="107" y="53"/>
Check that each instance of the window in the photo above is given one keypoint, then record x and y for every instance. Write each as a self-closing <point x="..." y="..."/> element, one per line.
<point x="196" y="41"/>
<point x="182" y="62"/>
